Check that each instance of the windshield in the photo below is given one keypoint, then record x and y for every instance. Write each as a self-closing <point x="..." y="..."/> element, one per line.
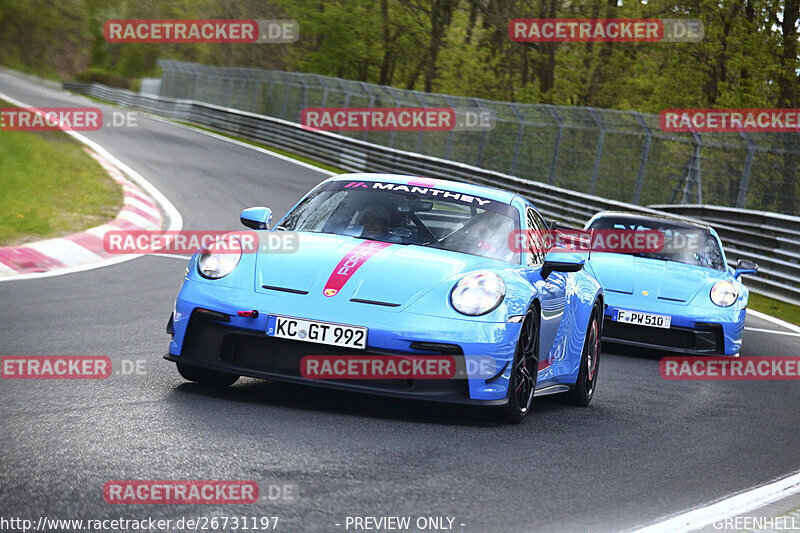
<point x="406" y="214"/>
<point x="682" y="243"/>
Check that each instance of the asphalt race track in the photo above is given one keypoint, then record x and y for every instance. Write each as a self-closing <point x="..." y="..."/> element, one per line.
<point x="646" y="448"/>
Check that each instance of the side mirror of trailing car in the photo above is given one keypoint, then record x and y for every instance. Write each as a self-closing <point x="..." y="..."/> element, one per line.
<point x="562" y="262"/>
<point x="744" y="266"/>
<point x="553" y="225"/>
<point x="256" y="217"/>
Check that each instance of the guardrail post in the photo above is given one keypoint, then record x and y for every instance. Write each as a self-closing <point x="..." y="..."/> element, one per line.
<point x="693" y="172"/>
<point x="484" y="135"/>
<point x="448" y="147"/>
<point x="229" y="91"/>
<point x="256" y="90"/>
<point x="286" y="84"/>
<point x="518" y="141"/>
<point x="748" y="165"/>
<point x="397" y="101"/>
<point x="304" y="99"/>
<point x="599" y="152"/>
<point x="557" y="144"/>
<point x="637" y="193"/>
<point x="321" y="82"/>
<point x="365" y="86"/>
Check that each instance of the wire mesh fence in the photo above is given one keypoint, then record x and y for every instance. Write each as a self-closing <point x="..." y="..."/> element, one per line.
<point x="620" y="155"/>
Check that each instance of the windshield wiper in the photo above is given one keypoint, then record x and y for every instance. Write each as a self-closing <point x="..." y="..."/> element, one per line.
<point x="651" y="256"/>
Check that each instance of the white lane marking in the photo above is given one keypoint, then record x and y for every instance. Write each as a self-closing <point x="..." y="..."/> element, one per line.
<point x="733" y="506"/>
<point x="244" y="144"/>
<point x="775" y="331"/>
<point x="174" y="256"/>
<point x="175" y="219"/>
<point x="776" y="321"/>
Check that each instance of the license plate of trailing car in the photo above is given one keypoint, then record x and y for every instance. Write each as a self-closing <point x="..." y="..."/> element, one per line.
<point x="642" y="319"/>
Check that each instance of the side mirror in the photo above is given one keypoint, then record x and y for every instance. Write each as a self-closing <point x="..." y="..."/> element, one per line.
<point x="743" y="266"/>
<point x="562" y="262"/>
<point x="256" y="217"/>
<point x="553" y="225"/>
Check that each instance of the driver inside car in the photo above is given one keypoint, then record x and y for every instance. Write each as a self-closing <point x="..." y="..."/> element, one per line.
<point x="375" y="222"/>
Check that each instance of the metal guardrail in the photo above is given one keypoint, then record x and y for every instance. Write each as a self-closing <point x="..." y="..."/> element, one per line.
<point x="770" y="239"/>
<point x="622" y="155"/>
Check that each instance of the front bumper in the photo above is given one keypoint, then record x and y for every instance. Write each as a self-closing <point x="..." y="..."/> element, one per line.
<point x="239" y="345"/>
<point x="702" y="331"/>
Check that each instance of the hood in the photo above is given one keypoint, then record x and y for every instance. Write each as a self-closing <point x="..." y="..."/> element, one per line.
<point x="668" y="280"/>
<point x="341" y="267"/>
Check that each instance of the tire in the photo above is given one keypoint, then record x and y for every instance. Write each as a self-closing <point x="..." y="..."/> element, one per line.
<point x="524" y="370"/>
<point x="582" y="392"/>
<point x="203" y="376"/>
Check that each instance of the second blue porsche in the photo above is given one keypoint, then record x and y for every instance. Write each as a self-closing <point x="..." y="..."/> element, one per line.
<point x="683" y="297"/>
<point x="388" y="271"/>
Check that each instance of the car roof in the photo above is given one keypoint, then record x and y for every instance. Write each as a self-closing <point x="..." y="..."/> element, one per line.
<point x="421" y="181"/>
<point x="650" y="217"/>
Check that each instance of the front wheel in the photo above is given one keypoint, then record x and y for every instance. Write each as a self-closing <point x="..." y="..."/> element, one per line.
<point x="582" y="392"/>
<point x="203" y="376"/>
<point x="525" y="367"/>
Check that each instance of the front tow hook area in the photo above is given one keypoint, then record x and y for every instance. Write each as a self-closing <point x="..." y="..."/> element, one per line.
<point x="248" y="314"/>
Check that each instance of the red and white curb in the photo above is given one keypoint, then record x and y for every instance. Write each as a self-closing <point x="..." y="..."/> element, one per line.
<point x="144" y="208"/>
<point x="139" y="212"/>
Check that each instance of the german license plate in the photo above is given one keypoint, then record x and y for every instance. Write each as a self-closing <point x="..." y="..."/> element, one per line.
<point x="642" y="319"/>
<point x="300" y="329"/>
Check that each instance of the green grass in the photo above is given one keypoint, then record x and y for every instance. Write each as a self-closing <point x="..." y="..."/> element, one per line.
<point x="50" y="187"/>
<point x="776" y="308"/>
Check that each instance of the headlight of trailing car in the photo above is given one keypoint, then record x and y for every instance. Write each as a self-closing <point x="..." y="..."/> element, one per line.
<point x="478" y="293"/>
<point x="219" y="258"/>
<point x="724" y="293"/>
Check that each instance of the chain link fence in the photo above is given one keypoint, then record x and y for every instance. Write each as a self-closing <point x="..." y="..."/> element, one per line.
<point x="620" y="155"/>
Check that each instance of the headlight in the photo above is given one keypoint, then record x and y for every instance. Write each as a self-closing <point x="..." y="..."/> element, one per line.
<point x="724" y="293"/>
<point x="478" y="293"/>
<point x="220" y="257"/>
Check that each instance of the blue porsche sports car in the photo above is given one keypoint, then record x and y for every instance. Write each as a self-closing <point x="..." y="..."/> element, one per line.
<point x="387" y="269"/>
<point x="683" y="297"/>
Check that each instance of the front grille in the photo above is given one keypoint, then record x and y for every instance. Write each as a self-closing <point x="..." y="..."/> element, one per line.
<point x="284" y="356"/>
<point x="217" y="342"/>
<point x="706" y="338"/>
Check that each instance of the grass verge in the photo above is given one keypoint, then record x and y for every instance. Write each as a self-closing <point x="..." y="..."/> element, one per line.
<point x="776" y="308"/>
<point x="50" y="187"/>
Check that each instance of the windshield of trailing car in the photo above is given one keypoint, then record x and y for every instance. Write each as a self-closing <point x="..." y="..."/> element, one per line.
<point x="409" y="214"/>
<point x="682" y="243"/>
